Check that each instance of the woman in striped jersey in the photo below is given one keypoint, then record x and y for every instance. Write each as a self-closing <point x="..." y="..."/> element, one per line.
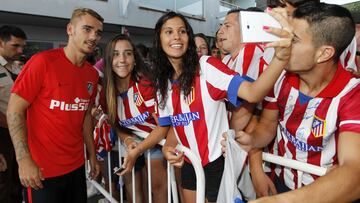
<point x="191" y="95"/>
<point x="130" y="103"/>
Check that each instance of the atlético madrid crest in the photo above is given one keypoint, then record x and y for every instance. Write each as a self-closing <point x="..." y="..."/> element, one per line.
<point x="190" y="97"/>
<point x="318" y="127"/>
<point x="138" y="100"/>
<point x="90" y="87"/>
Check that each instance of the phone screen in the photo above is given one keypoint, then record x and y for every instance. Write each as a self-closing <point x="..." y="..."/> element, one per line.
<point x="118" y="170"/>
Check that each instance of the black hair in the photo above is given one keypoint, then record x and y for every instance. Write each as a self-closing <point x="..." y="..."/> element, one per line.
<point x="255" y="9"/>
<point x="329" y="24"/>
<point x="294" y="3"/>
<point x="6" y="31"/>
<point x="235" y="10"/>
<point x="163" y="70"/>
<point x="143" y="50"/>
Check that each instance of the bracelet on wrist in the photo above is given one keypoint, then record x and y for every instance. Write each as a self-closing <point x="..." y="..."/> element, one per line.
<point x="128" y="137"/>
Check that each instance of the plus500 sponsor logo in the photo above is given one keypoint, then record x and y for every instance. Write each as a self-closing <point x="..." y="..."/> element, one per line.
<point x="79" y="105"/>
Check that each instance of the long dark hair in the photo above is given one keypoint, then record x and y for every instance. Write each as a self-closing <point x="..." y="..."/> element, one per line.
<point x="110" y="77"/>
<point x="163" y="69"/>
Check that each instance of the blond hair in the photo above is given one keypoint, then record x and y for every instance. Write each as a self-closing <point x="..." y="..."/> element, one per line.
<point x="83" y="11"/>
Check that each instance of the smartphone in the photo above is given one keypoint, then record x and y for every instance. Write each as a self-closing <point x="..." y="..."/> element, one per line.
<point x="118" y="170"/>
<point x="251" y="26"/>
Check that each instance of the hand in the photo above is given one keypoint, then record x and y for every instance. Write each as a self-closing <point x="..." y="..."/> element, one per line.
<point x="30" y="174"/>
<point x="244" y="140"/>
<point x="3" y="165"/>
<point x="263" y="185"/>
<point x="223" y="143"/>
<point x="130" y="158"/>
<point x="94" y="167"/>
<point x="174" y="157"/>
<point x="283" y="46"/>
<point x="96" y="112"/>
<point x="357" y="73"/>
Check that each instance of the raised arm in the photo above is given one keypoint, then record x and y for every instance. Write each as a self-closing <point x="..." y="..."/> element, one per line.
<point x="29" y="172"/>
<point x="256" y="91"/>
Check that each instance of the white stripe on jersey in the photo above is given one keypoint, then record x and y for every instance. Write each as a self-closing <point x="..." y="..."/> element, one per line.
<point x="134" y="111"/>
<point x="349" y="121"/>
<point x="348" y="57"/>
<point x="255" y="68"/>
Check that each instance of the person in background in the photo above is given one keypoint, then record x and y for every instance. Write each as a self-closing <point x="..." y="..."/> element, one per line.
<point x="215" y="52"/>
<point x="202" y="44"/>
<point x="49" y="115"/>
<point x="219" y="45"/>
<point x="12" y="43"/>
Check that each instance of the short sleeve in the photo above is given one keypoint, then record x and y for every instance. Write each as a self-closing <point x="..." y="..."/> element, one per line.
<point x="31" y="78"/>
<point x="222" y="82"/>
<point x="349" y="112"/>
<point x="147" y="92"/>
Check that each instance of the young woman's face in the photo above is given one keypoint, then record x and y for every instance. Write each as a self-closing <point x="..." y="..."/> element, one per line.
<point x="174" y="38"/>
<point x="123" y="59"/>
<point x="201" y="46"/>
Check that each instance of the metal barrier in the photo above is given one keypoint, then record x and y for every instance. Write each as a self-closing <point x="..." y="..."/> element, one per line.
<point x="171" y="183"/>
<point x="299" y="166"/>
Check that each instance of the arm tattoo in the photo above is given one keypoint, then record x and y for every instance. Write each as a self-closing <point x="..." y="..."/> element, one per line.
<point x="18" y="131"/>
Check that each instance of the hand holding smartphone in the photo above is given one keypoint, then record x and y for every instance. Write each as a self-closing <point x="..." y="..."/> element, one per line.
<point x="118" y="170"/>
<point x="252" y="27"/>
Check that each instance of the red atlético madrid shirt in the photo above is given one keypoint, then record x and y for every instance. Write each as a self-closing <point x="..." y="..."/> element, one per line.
<point x="59" y="94"/>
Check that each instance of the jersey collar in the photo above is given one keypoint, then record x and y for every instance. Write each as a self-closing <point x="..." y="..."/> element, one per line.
<point x="336" y="85"/>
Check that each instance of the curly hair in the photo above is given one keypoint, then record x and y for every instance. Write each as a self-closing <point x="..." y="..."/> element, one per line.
<point x="163" y="70"/>
<point x="110" y="77"/>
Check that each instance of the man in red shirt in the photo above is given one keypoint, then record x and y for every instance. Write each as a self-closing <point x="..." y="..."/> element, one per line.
<point x="49" y="115"/>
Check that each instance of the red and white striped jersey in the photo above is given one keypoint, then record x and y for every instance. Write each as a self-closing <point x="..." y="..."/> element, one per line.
<point x="348" y="57"/>
<point x="251" y="61"/>
<point x="309" y="128"/>
<point x="135" y="108"/>
<point x="200" y="118"/>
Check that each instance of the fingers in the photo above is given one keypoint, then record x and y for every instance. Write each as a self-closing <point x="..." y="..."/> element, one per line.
<point x="272" y="188"/>
<point x="174" y="157"/>
<point x="223" y="147"/>
<point x="223" y="143"/>
<point x="94" y="172"/>
<point x="281" y="15"/>
<point x="244" y="140"/>
<point x="225" y="135"/>
<point x="128" y="164"/>
<point x="33" y="182"/>
<point x="283" y="42"/>
<point x="132" y="145"/>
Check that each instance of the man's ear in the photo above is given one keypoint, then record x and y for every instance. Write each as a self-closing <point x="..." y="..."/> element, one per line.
<point x="69" y="29"/>
<point x="324" y="53"/>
